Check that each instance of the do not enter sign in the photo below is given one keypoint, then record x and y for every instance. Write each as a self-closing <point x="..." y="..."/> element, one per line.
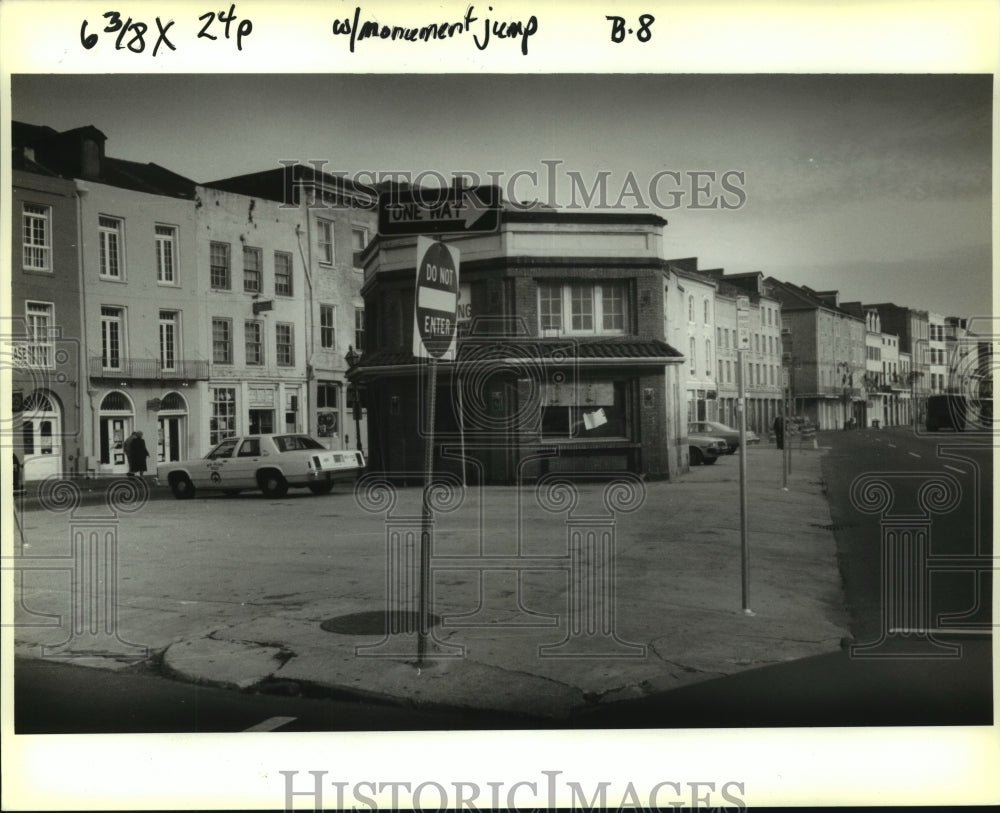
<point x="436" y="300"/>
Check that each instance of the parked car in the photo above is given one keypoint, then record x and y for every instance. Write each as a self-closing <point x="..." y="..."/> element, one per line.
<point x="704" y="448"/>
<point x="727" y="433"/>
<point x="268" y="463"/>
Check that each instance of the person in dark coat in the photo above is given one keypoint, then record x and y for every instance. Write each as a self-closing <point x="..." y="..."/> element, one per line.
<point x="137" y="453"/>
<point x="779" y="431"/>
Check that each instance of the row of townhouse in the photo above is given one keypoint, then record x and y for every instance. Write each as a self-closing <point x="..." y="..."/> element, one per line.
<point x="704" y="322"/>
<point x="144" y="301"/>
<point x="582" y="350"/>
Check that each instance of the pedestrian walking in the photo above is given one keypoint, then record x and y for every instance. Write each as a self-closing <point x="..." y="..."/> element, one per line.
<point x="779" y="431"/>
<point x="136" y="452"/>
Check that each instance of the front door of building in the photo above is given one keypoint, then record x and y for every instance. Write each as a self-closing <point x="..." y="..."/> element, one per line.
<point x="114" y="431"/>
<point x="41" y="430"/>
<point x="261" y="421"/>
<point x="168" y="439"/>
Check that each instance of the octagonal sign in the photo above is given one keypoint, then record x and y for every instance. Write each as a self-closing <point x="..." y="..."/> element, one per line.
<point x="436" y="300"/>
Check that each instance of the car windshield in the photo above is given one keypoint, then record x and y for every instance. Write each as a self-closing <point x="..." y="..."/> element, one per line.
<point x="224" y="449"/>
<point x="294" y="443"/>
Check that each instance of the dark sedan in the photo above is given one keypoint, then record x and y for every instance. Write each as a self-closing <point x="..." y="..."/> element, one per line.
<point x="727" y="433"/>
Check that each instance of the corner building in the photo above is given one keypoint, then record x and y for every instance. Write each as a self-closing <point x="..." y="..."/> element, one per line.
<point x="561" y="363"/>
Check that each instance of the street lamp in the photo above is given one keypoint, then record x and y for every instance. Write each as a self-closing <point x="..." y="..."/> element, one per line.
<point x="352" y="357"/>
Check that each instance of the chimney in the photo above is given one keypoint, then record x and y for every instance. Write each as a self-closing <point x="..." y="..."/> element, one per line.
<point x="831" y="298"/>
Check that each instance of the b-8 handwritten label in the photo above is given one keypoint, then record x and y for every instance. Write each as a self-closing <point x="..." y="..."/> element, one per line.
<point x="620" y="28"/>
<point x="137" y="35"/>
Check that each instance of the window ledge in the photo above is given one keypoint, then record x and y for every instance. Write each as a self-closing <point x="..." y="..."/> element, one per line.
<point x="592" y="443"/>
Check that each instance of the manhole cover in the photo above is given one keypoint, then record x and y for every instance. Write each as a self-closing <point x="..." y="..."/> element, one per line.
<point x="376" y="622"/>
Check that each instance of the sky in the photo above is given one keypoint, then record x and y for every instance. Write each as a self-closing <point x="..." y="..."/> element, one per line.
<point x="878" y="186"/>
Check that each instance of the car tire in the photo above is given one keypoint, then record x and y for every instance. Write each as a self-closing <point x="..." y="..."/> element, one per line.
<point x="181" y="486"/>
<point x="272" y="483"/>
<point x="696" y="456"/>
<point x="321" y="488"/>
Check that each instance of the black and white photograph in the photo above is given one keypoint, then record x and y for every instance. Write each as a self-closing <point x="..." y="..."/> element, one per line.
<point x="498" y="406"/>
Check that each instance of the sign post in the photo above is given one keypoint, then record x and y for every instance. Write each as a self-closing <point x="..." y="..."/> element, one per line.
<point x="435" y="305"/>
<point x="743" y="335"/>
<point x="784" y="427"/>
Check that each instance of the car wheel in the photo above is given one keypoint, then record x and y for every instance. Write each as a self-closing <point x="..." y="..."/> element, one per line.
<point x="272" y="483"/>
<point x="321" y="488"/>
<point x="696" y="456"/>
<point x="181" y="486"/>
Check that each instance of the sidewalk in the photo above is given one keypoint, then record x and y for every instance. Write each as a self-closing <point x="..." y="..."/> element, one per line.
<point x="539" y="641"/>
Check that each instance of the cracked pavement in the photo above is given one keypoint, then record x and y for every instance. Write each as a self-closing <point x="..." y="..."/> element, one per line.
<point x="233" y="592"/>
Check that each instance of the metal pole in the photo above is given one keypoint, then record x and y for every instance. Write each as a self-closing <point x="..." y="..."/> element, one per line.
<point x="784" y="458"/>
<point x="744" y="540"/>
<point x="457" y="384"/>
<point x="427" y="517"/>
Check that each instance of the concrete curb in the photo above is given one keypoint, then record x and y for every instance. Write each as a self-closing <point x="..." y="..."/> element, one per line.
<point x="677" y="597"/>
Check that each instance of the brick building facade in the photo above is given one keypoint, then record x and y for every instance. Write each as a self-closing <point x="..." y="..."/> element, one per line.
<point x="563" y="366"/>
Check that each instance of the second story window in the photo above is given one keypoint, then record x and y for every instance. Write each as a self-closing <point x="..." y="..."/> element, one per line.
<point x="284" y="344"/>
<point x="168" y="340"/>
<point x="359" y="239"/>
<point x="112" y="337"/>
<point x="708" y="311"/>
<point x="549" y="307"/>
<point x="37" y="233"/>
<point x="110" y="238"/>
<point x="581" y="298"/>
<point x="222" y="341"/>
<point x="166" y="255"/>
<point x="282" y="273"/>
<point x="324" y="229"/>
<point x="612" y="307"/>
<point x="40" y="324"/>
<point x="593" y="308"/>
<point x="327" y="327"/>
<point x="253" y="335"/>
<point x="251" y="269"/>
<point x="219" y="266"/>
<point x="359" y="329"/>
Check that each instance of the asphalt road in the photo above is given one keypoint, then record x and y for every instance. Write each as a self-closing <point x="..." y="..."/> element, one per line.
<point x="58" y="698"/>
<point x="835" y="689"/>
<point x="958" y="597"/>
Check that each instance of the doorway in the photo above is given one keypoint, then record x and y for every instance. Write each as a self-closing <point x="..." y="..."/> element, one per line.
<point x="168" y="439"/>
<point x="261" y="421"/>
<point x="117" y="420"/>
<point x="41" y="435"/>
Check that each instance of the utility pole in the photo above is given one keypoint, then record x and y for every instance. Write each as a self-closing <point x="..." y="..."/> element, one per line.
<point x="743" y="325"/>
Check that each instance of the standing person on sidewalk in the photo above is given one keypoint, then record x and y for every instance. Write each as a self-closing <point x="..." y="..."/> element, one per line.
<point x="127" y="448"/>
<point x="779" y="431"/>
<point x="136" y="452"/>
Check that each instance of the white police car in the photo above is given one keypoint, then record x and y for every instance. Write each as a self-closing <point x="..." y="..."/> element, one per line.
<point x="268" y="463"/>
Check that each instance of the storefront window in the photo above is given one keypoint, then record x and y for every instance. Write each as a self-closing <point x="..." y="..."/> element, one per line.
<point x="587" y="411"/>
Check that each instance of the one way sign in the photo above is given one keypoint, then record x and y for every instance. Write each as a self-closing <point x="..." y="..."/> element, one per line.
<point x="439" y="211"/>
